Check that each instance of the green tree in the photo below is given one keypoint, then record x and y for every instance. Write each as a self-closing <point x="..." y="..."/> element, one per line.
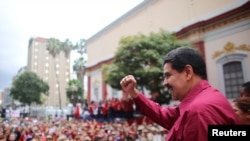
<point x="79" y="63"/>
<point x="81" y="46"/>
<point x="28" y="88"/>
<point x="55" y="47"/>
<point x="67" y="47"/>
<point x="74" y="91"/>
<point x="79" y="67"/>
<point x="142" y="56"/>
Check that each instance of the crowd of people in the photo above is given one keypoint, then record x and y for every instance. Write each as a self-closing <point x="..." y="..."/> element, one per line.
<point x="60" y="129"/>
<point x="108" y="110"/>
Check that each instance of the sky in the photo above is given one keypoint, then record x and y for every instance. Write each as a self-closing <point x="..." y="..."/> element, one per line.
<point x="73" y="19"/>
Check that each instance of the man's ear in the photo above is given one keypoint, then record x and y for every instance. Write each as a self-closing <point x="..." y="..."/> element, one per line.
<point x="189" y="71"/>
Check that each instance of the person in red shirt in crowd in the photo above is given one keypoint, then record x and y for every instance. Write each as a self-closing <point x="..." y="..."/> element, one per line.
<point x="114" y="104"/>
<point x="91" y="109"/>
<point x="119" y="109"/>
<point x="128" y="108"/>
<point x="111" y="111"/>
<point x="200" y="103"/>
<point x="105" y="110"/>
<point x="77" y="112"/>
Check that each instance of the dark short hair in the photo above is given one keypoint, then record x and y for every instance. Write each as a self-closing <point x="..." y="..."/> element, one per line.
<point x="243" y="103"/>
<point x="246" y="87"/>
<point x="182" y="56"/>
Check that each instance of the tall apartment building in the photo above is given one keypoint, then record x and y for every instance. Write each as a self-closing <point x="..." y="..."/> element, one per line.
<point x="46" y="67"/>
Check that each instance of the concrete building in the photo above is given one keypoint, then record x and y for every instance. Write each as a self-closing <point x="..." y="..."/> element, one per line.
<point x="6" y="100"/>
<point x="46" y="67"/>
<point x="220" y="29"/>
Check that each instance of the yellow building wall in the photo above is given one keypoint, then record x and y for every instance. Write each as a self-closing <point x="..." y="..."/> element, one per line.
<point x="152" y="16"/>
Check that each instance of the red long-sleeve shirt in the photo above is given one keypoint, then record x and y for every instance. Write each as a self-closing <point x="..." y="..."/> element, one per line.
<point x="202" y="106"/>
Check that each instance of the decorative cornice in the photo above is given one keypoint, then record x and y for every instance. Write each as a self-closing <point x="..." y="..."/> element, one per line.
<point x="230" y="48"/>
<point x="99" y="64"/>
<point x="223" y="19"/>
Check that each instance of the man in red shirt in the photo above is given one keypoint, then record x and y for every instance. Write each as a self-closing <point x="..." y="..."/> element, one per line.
<point x="201" y="104"/>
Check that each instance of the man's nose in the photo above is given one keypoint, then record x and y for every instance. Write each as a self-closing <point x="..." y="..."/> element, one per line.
<point x="165" y="82"/>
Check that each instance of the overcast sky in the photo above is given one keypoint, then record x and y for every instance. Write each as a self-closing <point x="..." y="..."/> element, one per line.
<point x="73" y="19"/>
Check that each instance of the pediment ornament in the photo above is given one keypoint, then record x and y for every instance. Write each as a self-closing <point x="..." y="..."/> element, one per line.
<point x="230" y="48"/>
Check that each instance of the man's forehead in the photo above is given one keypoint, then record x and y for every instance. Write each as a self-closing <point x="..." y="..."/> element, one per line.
<point x="167" y="67"/>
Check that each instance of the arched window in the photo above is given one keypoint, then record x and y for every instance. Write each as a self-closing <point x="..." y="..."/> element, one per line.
<point x="232" y="73"/>
<point x="233" y="78"/>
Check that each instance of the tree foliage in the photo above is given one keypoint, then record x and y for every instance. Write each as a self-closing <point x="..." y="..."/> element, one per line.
<point x="79" y="68"/>
<point x="54" y="47"/>
<point x="67" y="47"/>
<point x="142" y="56"/>
<point x="74" y="91"/>
<point x="80" y="63"/>
<point x="28" y="88"/>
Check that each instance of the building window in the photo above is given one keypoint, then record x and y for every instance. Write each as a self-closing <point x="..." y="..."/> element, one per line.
<point x="233" y="72"/>
<point x="233" y="78"/>
<point x="96" y="91"/>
